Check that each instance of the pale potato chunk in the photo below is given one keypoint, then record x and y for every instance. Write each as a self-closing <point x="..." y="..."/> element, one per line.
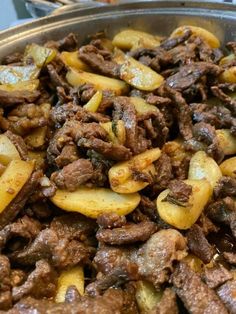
<point x="39" y="158"/>
<point x="93" y="104"/>
<point x="228" y="167"/>
<point x="130" y="39"/>
<point x="92" y="202"/>
<point x="102" y="83"/>
<point x="8" y="151"/>
<point x="21" y="86"/>
<point x="12" y="74"/>
<point x="147" y="296"/>
<point x="116" y="133"/>
<point x="204" y="167"/>
<point x="13" y="179"/>
<point x="37" y="137"/>
<point x="40" y="54"/>
<point x="227" y="59"/>
<point x="184" y="217"/>
<point x="141" y="106"/>
<point x="227" y="141"/>
<point x="73" y="276"/>
<point x="210" y="38"/>
<point x="71" y="59"/>
<point x="229" y="75"/>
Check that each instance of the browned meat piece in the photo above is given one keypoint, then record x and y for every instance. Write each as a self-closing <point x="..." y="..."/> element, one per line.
<point x="180" y="192"/>
<point x="42" y="282"/>
<point x="228" y="102"/>
<point x="167" y="305"/>
<point x="225" y="187"/>
<point x="111" y="220"/>
<point x="148" y="207"/>
<point x="170" y="43"/>
<point x="230" y="257"/>
<point x="206" y="224"/>
<point x="17" y="277"/>
<point x="86" y="116"/>
<point x="157" y="100"/>
<point x="130" y="233"/>
<point x="73" y="226"/>
<point x="196" y="295"/>
<point x="5" y="287"/>
<point x="228" y="296"/>
<point x="56" y="79"/>
<point x="155" y="258"/>
<point x="181" y="109"/>
<point x="11" y="98"/>
<point x="19" y="144"/>
<point x="59" y="114"/>
<point x="232" y="46"/>
<point x="216" y="276"/>
<point x="73" y="175"/>
<point x="25" y="227"/>
<point x="72" y="294"/>
<point x="12" y="210"/>
<point x="199" y="245"/>
<point x="108" y="150"/>
<point x="15" y="57"/>
<point x="91" y="55"/>
<point x="183" y="54"/>
<point x="68" y="155"/>
<point x="190" y="74"/>
<point x="124" y="110"/>
<point x="67" y="43"/>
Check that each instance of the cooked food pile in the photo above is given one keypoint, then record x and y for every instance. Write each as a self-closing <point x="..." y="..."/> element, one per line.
<point x="118" y="175"/>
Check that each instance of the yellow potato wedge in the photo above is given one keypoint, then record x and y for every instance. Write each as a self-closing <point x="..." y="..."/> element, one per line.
<point x="227" y="59"/>
<point x="40" y="55"/>
<point x="13" y="179"/>
<point x="229" y="75"/>
<point x="92" y="202"/>
<point x="147" y="296"/>
<point x="102" y="83"/>
<point x="130" y="39"/>
<point x="227" y="141"/>
<point x="93" y="104"/>
<point x="141" y="106"/>
<point x="21" y="86"/>
<point x="131" y="185"/>
<point x="122" y="171"/>
<point x="116" y="133"/>
<point x="204" y="167"/>
<point x="228" y="167"/>
<point x="184" y="217"/>
<point x="8" y="151"/>
<point x="37" y="137"/>
<point x="39" y="158"/>
<point x="204" y="34"/>
<point x="194" y="263"/>
<point x="73" y="276"/>
<point x="137" y="74"/>
<point x="71" y="59"/>
<point x="11" y="74"/>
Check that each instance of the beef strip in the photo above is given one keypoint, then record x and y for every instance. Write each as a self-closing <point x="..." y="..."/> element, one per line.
<point x="56" y="79"/>
<point x="228" y="296"/>
<point x="5" y="286"/>
<point x="230" y="258"/>
<point x="111" y="220"/>
<point x="226" y="186"/>
<point x="155" y="257"/>
<point x="196" y="295"/>
<point x="72" y="294"/>
<point x="68" y="155"/>
<point x="171" y="42"/>
<point x="228" y="102"/>
<point x="73" y="175"/>
<point x="190" y="74"/>
<point x="17" y="277"/>
<point x="127" y="234"/>
<point x="12" y="210"/>
<point x="92" y="56"/>
<point x="199" y="245"/>
<point x="180" y="192"/>
<point x="183" y="54"/>
<point x="67" y="43"/>
<point x="216" y="276"/>
<point x="15" y="57"/>
<point x="167" y="305"/>
<point x="39" y="284"/>
<point x="11" y="98"/>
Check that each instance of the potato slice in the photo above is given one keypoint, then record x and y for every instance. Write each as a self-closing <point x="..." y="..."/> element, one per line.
<point x="228" y="167"/>
<point x="13" y="179"/>
<point x="184" y="217"/>
<point x="93" y="104"/>
<point x="229" y="75"/>
<point x="131" y="185"/>
<point x="73" y="276"/>
<point x="227" y="59"/>
<point x="122" y="171"/>
<point x="137" y="74"/>
<point x="39" y="54"/>
<point x="131" y="38"/>
<point x="92" y="202"/>
<point x="204" y="167"/>
<point x="71" y="59"/>
<point x="116" y="133"/>
<point x="141" y="106"/>
<point x="227" y="141"/>
<point x="39" y="158"/>
<point x="21" y="86"/>
<point x="147" y="296"/>
<point x="8" y="151"/>
<point x="204" y="34"/>
<point x="12" y="74"/>
<point x="37" y="137"/>
<point x="78" y="78"/>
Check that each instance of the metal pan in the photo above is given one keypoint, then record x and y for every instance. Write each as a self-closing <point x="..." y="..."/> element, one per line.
<point x="159" y="17"/>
